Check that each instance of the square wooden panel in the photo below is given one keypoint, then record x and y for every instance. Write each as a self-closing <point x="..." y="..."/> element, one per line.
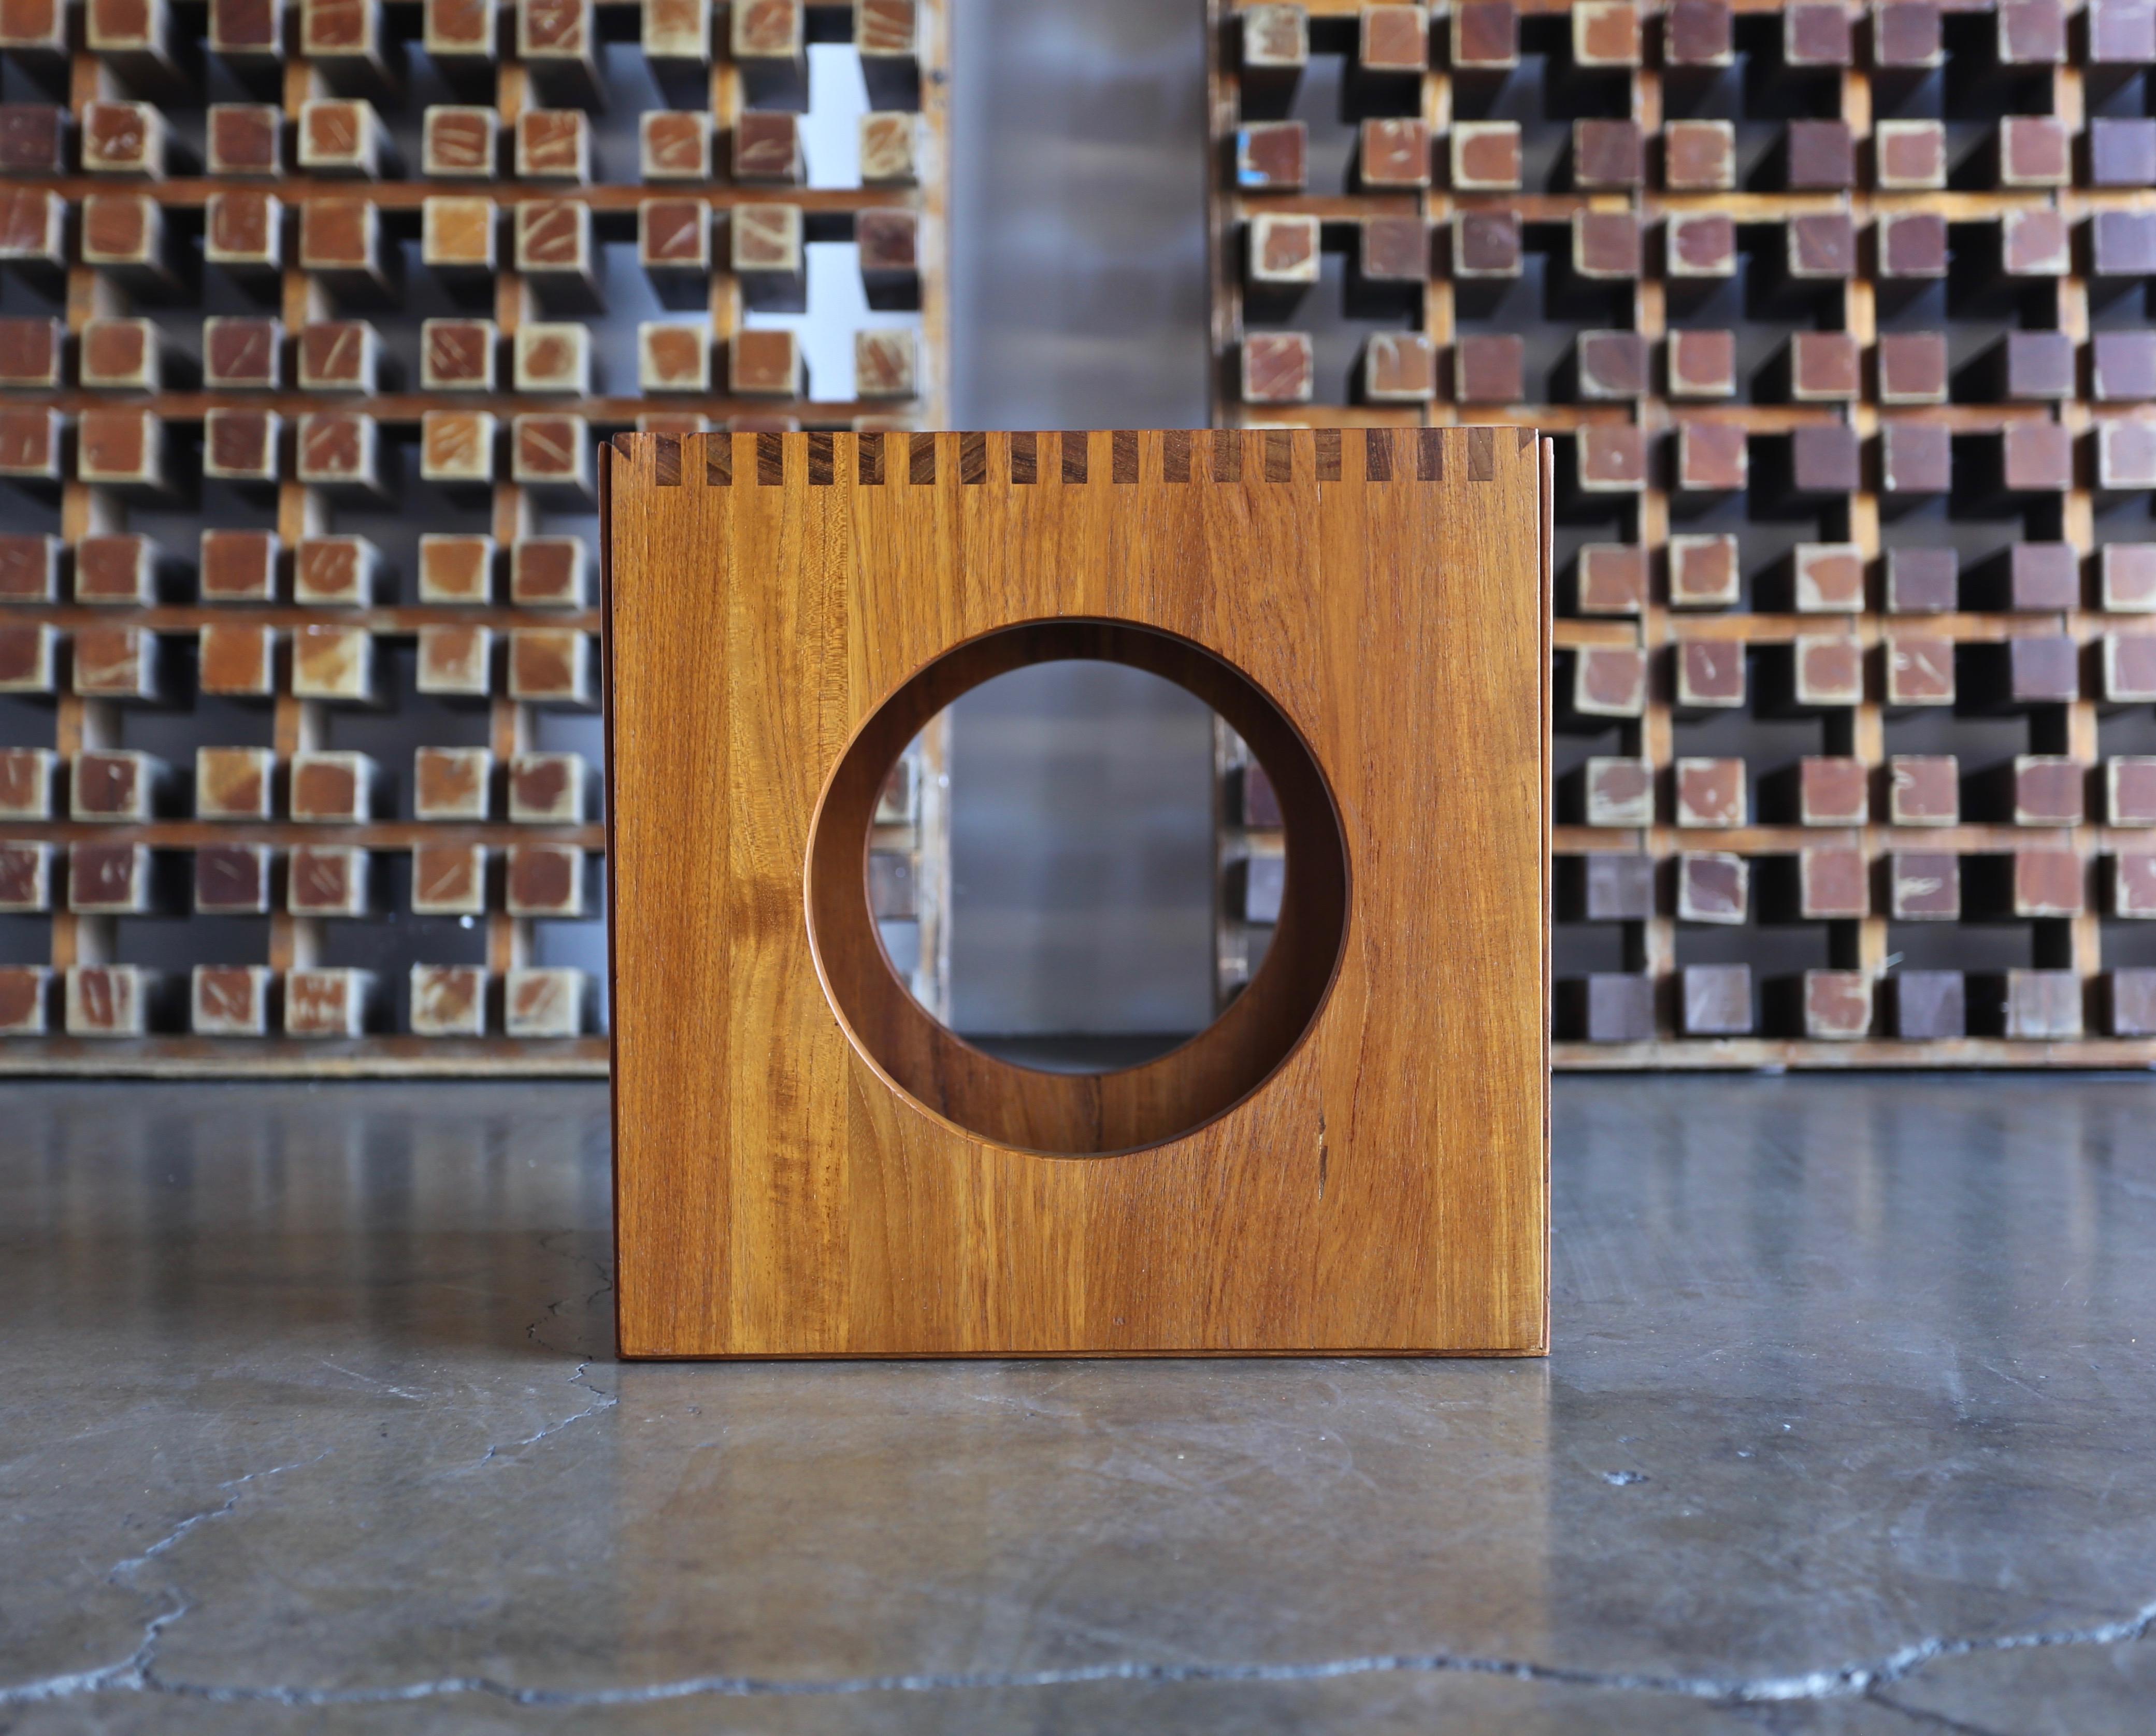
<point x="896" y="1197"/>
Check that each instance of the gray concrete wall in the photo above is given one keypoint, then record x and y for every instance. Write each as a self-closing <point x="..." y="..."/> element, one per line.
<point x="1080" y="815"/>
<point x="1078" y="214"/>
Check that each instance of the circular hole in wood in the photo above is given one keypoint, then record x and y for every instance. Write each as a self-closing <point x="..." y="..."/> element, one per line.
<point x="1060" y="1113"/>
<point x="1045" y="866"/>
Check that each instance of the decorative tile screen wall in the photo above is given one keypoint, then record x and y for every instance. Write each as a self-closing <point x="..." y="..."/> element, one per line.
<point x="311" y="319"/>
<point x="1840" y="315"/>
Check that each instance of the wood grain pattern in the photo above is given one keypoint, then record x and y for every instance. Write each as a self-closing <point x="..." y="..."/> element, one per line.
<point x="1382" y="1189"/>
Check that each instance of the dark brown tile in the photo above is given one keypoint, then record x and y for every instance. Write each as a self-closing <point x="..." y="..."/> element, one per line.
<point x="2122" y="243"/>
<point x="2122" y="153"/>
<point x="2039" y="365"/>
<point x="1702" y="364"/>
<point x="1608" y="155"/>
<point x="1395" y="250"/>
<point x="1824" y="458"/>
<point x="1272" y="157"/>
<point x="1487" y="244"/>
<point x="2122" y="366"/>
<point x="1923" y="789"/>
<point x="1822" y="245"/>
<point x="1832" y="792"/>
<point x="2032" y="32"/>
<point x="1490" y="369"/>
<point x="1912" y="244"/>
<point x="2033" y="242"/>
<point x="1824" y="367"/>
<point x="32" y="138"/>
<point x="1819" y="155"/>
<point x="1923" y="581"/>
<point x="1700" y="244"/>
<point x="1612" y="458"/>
<point x="1393" y="153"/>
<point x="1816" y="35"/>
<point x="2035" y="150"/>
<point x="1907" y="34"/>
<point x="1915" y="458"/>
<point x="2043" y="576"/>
<point x="1711" y="457"/>
<point x="2037" y="458"/>
<point x="1704" y="574"/>
<point x="1485" y="35"/>
<point x="1612" y="365"/>
<point x="1913" y="367"/>
<point x="1612" y="579"/>
<point x="1605" y="244"/>
<point x="1909" y="155"/>
<point x="1699" y="156"/>
<point x="1924" y="886"/>
<point x="1698" y="32"/>
<point x="767" y="147"/>
<point x="1711" y="673"/>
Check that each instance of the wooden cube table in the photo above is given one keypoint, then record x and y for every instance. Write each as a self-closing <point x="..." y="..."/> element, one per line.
<point x="1352" y="1159"/>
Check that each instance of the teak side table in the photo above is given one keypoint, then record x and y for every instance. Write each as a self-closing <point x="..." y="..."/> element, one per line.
<point x="1352" y="1159"/>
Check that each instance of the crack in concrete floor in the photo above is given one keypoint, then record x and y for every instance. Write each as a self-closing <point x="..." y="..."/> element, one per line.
<point x="137" y="1672"/>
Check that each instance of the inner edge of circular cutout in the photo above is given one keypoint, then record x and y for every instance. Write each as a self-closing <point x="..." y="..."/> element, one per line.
<point x="1169" y="1097"/>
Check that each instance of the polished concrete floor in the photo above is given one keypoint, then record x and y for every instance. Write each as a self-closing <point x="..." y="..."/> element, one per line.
<point x="308" y="1422"/>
